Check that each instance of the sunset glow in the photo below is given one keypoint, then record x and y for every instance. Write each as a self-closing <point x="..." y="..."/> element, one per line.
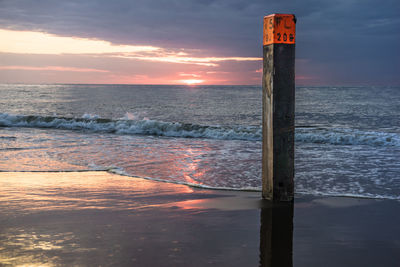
<point x="203" y="61"/>
<point x="192" y="82"/>
<point x="220" y="40"/>
<point x="28" y="42"/>
<point x="24" y="42"/>
<point x="39" y="57"/>
<point x="51" y="68"/>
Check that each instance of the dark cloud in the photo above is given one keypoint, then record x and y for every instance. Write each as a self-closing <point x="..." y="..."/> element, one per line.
<point x="354" y="38"/>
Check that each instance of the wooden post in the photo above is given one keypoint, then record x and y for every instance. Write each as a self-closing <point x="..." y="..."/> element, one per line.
<point x="278" y="107"/>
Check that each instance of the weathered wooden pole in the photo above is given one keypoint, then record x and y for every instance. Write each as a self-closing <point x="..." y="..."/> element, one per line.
<point x="278" y="107"/>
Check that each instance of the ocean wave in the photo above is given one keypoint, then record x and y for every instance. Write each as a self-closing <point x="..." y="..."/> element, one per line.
<point x="342" y="136"/>
<point x="125" y="126"/>
<point x="93" y="123"/>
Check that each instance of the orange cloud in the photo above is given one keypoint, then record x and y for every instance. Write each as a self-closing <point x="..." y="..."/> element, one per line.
<point x="45" y="54"/>
<point x="28" y="42"/>
<point x="202" y="61"/>
<point x="51" y="68"/>
<point x="189" y="74"/>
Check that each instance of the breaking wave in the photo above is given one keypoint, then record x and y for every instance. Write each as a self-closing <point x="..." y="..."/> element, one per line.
<point x="126" y="126"/>
<point x="93" y="123"/>
<point x="342" y="136"/>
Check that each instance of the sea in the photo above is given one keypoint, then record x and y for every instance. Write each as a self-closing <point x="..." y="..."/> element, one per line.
<point x="347" y="139"/>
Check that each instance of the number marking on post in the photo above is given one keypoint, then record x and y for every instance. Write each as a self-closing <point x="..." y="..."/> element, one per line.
<point x="279" y="29"/>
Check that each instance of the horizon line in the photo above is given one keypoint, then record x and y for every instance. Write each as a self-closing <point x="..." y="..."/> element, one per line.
<point x="204" y="84"/>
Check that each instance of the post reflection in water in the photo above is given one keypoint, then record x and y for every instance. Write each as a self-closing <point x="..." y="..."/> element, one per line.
<point x="276" y="235"/>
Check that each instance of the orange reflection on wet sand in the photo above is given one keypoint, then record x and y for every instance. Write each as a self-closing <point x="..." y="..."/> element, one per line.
<point x="103" y="219"/>
<point x="44" y="194"/>
<point x="225" y="201"/>
<point x="30" y="191"/>
<point x="27" y="247"/>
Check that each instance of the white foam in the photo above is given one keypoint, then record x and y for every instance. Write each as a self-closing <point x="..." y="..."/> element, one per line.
<point x="120" y="171"/>
<point x="90" y="116"/>
<point x="90" y="122"/>
<point x="341" y="136"/>
<point x="143" y="127"/>
<point x="352" y="195"/>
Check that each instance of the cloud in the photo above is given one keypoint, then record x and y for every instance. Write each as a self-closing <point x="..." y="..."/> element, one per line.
<point x="344" y="37"/>
<point x="39" y="68"/>
<point x="52" y="68"/>
<point x="203" y="61"/>
<point x="27" y="42"/>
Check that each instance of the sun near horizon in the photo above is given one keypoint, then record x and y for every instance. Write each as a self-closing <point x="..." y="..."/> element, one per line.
<point x="192" y="82"/>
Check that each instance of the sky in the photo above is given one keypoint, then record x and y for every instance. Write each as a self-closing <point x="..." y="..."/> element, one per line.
<point x="338" y="42"/>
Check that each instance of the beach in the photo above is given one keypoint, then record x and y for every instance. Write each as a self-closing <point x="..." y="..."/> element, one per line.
<point x="102" y="219"/>
<point x="199" y="133"/>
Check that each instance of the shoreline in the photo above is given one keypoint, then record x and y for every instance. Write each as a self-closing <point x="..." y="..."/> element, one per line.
<point x="211" y="188"/>
<point x="100" y="218"/>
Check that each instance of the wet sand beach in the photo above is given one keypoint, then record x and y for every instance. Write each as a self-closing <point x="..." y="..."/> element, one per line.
<point x="103" y="219"/>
